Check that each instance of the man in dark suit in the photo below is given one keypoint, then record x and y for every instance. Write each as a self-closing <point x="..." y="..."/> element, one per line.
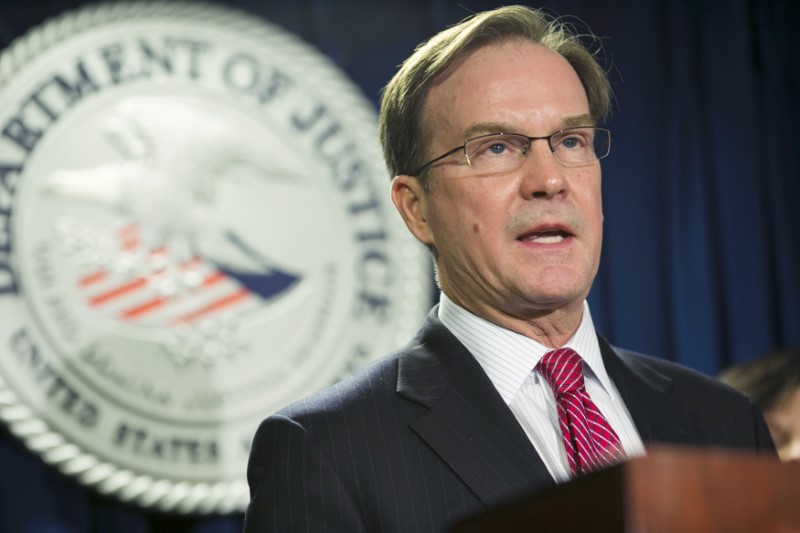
<point x="491" y="129"/>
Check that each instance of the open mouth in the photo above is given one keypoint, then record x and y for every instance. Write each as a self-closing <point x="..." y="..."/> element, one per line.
<point x="550" y="236"/>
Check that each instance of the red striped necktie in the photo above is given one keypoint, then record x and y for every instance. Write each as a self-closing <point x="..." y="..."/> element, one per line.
<point x="590" y="441"/>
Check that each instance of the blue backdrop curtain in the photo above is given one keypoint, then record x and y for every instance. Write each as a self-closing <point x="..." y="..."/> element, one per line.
<point x="701" y="259"/>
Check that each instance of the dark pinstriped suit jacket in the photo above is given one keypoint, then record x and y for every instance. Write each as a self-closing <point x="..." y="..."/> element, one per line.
<point x="422" y="438"/>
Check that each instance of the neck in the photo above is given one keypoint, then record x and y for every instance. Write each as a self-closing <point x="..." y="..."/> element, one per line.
<point x="550" y="327"/>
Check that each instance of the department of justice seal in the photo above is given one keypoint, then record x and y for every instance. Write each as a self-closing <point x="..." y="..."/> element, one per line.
<point x="195" y="229"/>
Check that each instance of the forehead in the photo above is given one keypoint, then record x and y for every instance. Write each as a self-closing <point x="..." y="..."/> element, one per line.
<point x="519" y="83"/>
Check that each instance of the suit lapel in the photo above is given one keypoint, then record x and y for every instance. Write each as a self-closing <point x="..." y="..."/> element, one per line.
<point x="467" y="422"/>
<point x="648" y="394"/>
<point x="470" y="427"/>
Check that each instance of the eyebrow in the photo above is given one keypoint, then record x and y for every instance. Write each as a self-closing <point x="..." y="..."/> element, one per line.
<point x="578" y="121"/>
<point x="481" y="128"/>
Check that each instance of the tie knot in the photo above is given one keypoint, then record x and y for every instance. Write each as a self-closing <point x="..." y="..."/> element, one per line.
<point x="563" y="370"/>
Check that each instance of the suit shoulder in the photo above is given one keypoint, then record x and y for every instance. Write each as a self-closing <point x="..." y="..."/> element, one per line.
<point x="374" y="383"/>
<point x="683" y="376"/>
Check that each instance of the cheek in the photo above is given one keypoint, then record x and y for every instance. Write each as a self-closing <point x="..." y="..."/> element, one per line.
<point x="593" y="201"/>
<point x="449" y="224"/>
<point x="471" y="212"/>
<point x="457" y="208"/>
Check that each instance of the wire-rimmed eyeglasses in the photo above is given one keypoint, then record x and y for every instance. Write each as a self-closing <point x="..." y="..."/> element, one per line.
<point x="498" y="153"/>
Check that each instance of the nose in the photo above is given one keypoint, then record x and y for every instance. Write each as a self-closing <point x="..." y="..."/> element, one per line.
<point x="543" y="176"/>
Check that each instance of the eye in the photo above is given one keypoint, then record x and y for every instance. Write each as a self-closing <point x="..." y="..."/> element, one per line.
<point x="572" y="141"/>
<point x="497" y="148"/>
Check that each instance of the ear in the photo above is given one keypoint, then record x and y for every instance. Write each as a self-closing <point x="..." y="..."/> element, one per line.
<point x="411" y="202"/>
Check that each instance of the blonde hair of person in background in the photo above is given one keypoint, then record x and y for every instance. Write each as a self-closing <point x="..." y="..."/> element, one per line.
<point x="773" y="382"/>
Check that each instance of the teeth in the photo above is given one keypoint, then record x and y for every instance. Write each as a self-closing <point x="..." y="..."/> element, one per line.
<point x="549" y="239"/>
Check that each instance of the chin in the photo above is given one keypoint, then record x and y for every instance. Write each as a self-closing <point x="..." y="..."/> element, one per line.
<point x="554" y="290"/>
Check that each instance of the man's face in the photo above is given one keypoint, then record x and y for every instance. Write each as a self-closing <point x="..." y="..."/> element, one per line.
<point x="523" y="243"/>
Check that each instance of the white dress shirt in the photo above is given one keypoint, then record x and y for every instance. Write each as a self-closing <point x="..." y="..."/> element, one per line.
<point x="509" y="359"/>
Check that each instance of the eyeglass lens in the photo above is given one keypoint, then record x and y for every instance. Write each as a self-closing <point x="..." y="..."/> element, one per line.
<point x="506" y="152"/>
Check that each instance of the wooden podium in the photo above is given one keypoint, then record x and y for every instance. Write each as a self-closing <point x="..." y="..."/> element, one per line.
<point x="670" y="490"/>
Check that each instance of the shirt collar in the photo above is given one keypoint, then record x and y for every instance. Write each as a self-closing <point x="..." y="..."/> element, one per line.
<point x="507" y="357"/>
